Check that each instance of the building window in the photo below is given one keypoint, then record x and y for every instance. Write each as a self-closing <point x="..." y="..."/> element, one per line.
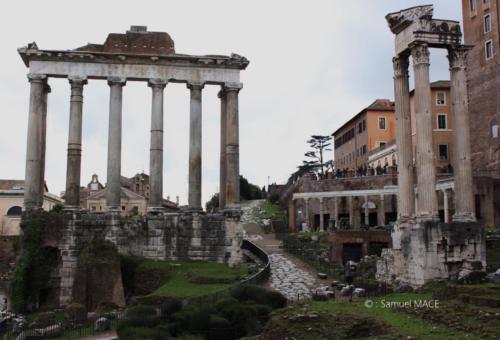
<point x="442" y="123"/>
<point x="473" y="6"/>
<point x="495" y="129"/>
<point x="364" y="125"/>
<point x="488" y="49"/>
<point x="93" y="208"/>
<point x="382" y="145"/>
<point x="381" y="123"/>
<point x="364" y="149"/>
<point x="443" y="152"/>
<point x="360" y="127"/>
<point x="123" y="207"/>
<point x="15" y="211"/>
<point x="487" y="23"/>
<point x="440" y="98"/>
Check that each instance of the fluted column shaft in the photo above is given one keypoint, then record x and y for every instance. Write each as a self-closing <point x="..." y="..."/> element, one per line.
<point x="461" y="136"/>
<point x="113" y="186"/>
<point x="306" y="201"/>
<point x="232" y="146"/>
<point x="156" y="146"/>
<point x="33" y="187"/>
<point x="74" y="159"/>
<point x="426" y="171"/>
<point x="222" y="167"/>
<point x="406" y="197"/>
<point x="194" y="199"/>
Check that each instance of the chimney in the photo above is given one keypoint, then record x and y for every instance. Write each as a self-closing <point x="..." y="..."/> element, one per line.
<point x="138" y="29"/>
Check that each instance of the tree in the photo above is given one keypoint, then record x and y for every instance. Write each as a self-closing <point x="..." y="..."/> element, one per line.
<point x="319" y="144"/>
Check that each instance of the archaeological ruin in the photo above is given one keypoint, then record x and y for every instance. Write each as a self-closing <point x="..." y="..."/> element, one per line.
<point x="137" y="55"/>
<point x="423" y="248"/>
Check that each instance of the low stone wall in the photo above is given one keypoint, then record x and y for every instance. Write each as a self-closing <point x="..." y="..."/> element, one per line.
<point x="168" y="236"/>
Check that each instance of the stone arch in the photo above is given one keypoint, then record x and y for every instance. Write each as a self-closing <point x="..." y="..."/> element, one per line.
<point x="15" y="211"/>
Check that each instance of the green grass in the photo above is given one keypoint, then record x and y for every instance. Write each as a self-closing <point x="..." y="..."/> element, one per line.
<point x="271" y="211"/>
<point x="405" y="323"/>
<point x="493" y="257"/>
<point x="179" y="285"/>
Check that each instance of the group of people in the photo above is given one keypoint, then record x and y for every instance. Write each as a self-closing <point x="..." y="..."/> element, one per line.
<point x="362" y="171"/>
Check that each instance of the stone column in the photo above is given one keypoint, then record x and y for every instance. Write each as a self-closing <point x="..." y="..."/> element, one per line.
<point x="321" y="214"/>
<point x="113" y="186"/>
<point x="232" y="146"/>
<point x="194" y="200"/>
<point x="306" y="201"/>
<point x="381" y="211"/>
<point x="351" y="211"/>
<point x="33" y="193"/>
<point x="336" y="211"/>
<point x="222" y="167"/>
<point x="43" y="142"/>
<point x="426" y="170"/>
<point x="446" y="206"/>
<point x="74" y="161"/>
<point x="461" y="136"/>
<point x="156" y="146"/>
<point x="367" y="212"/>
<point x="406" y="198"/>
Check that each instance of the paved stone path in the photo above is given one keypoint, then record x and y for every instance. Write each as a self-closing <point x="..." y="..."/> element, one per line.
<point x="289" y="275"/>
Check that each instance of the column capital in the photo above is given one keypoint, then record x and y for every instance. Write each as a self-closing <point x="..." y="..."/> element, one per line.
<point x="157" y="83"/>
<point x="401" y="64"/>
<point x="37" y="78"/>
<point x="195" y="85"/>
<point x="77" y="81"/>
<point x="222" y="93"/>
<point x="457" y="55"/>
<point x="420" y="53"/>
<point x="117" y="81"/>
<point x="228" y="87"/>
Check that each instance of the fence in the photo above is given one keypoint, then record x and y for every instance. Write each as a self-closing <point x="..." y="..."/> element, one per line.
<point x="60" y="330"/>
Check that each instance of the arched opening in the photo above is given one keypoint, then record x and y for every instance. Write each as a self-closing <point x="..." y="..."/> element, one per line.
<point x="15" y="211"/>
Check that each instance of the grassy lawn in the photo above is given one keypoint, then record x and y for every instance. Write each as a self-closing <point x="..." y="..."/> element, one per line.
<point x="195" y="278"/>
<point x="405" y="324"/>
<point x="387" y="317"/>
<point x="272" y="212"/>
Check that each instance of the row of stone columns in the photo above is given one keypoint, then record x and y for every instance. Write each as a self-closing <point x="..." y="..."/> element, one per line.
<point x="381" y="211"/>
<point x="35" y="156"/>
<point x="426" y="205"/>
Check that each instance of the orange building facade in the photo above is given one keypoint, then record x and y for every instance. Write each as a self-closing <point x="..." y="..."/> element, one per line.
<point x="374" y="127"/>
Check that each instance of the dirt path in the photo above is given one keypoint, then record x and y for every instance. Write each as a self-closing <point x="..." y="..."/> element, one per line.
<point x="289" y="275"/>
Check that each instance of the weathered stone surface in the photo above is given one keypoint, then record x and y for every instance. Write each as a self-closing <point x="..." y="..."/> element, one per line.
<point x="98" y="276"/>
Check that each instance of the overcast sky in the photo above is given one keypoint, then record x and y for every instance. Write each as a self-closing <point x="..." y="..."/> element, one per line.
<point x="313" y="65"/>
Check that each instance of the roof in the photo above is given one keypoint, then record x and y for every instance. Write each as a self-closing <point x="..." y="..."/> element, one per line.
<point x="439" y="84"/>
<point x="137" y="40"/>
<point x="15" y="184"/>
<point x="377" y="105"/>
<point x="125" y="193"/>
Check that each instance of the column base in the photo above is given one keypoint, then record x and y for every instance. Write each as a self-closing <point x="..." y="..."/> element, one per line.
<point x="232" y="211"/>
<point x="193" y="210"/>
<point x="406" y="219"/>
<point x="464" y="217"/>
<point x="114" y="210"/>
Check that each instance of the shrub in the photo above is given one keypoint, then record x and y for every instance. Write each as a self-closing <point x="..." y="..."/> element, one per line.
<point x="275" y="300"/>
<point x="106" y="307"/>
<point x="170" y="306"/>
<point x="220" y="328"/>
<point x="259" y="295"/>
<point x="262" y="311"/>
<point x="242" y="317"/>
<point x="139" y="316"/>
<point x="225" y="303"/>
<point x="75" y="314"/>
